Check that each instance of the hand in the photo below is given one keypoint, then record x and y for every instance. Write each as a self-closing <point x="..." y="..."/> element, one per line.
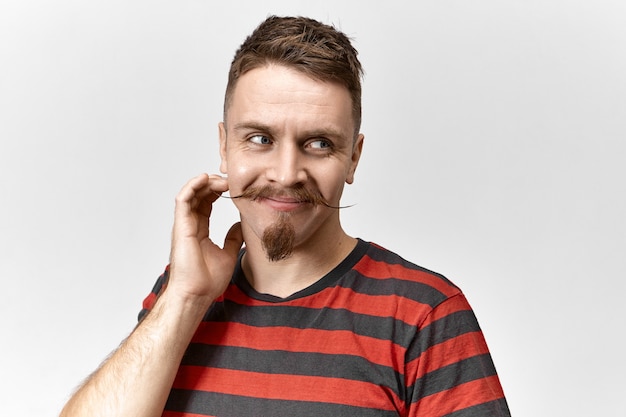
<point x="200" y="269"/>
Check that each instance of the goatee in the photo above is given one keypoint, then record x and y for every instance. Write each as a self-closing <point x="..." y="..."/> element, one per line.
<point x="278" y="239"/>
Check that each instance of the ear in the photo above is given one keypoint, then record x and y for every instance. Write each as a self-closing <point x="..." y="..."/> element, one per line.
<point x="357" y="148"/>
<point x="222" y="135"/>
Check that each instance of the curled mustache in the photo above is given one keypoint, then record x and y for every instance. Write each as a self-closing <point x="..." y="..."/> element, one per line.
<point x="300" y="193"/>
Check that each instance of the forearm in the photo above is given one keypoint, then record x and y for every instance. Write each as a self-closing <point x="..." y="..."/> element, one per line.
<point x="136" y="380"/>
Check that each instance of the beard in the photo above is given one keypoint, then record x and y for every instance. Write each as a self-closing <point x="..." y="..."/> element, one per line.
<point x="279" y="239"/>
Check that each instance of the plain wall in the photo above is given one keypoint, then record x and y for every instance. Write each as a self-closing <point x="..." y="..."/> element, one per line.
<point x="494" y="154"/>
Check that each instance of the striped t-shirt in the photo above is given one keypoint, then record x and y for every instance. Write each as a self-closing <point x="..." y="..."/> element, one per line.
<point x="377" y="336"/>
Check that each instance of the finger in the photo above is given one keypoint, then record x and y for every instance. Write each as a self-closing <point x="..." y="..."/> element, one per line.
<point x="233" y="240"/>
<point x="193" y="205"/>
<point x="203" y="189"/>
<point x="206" y="195"/>
<point x="209" y="187"/>
<point x="205" y="186"/>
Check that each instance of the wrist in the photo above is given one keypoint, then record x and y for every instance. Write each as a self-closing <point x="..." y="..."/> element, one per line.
<point x="183" y="304"/>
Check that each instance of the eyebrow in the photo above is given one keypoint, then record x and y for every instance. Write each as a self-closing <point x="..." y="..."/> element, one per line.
<point x="262" y="127"/>
<point x="252" y="126"/>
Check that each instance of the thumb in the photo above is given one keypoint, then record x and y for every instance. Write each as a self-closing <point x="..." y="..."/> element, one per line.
<point x="233" y="240"/>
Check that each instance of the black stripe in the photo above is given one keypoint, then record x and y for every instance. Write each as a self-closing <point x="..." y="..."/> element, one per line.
<point x="156" y="290"/>
<point x="295" y="363"/>
<point x="450" y="376"/>
<point x="439" y="331"/>
<point x="383" y="328"/>
<point x="497" y="408"/>
<point x="222" y="405"/>
<point x="415" y="291"/>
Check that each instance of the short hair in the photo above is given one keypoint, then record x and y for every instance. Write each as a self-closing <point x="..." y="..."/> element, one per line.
<point x="318" y="50"/>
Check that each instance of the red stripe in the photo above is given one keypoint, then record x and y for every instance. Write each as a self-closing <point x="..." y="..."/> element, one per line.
<point x="382" y="270"/>
<point x="334" y="342"/>
<point x="398" y="307"/>
<point x="460" y="397"/>
<point x="286" y="387"/>
<point x="456" y="349"/>
<point x="149" y="301"/>
<point x="182" y="414"/>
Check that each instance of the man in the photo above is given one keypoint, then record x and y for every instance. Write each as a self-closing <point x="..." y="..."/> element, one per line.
<point x="304" y="320"/>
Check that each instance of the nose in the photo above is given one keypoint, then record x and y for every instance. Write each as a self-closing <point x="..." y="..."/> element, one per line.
<point x="287" y="168"/>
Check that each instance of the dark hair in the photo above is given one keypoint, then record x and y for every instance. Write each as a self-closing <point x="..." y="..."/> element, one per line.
<point x="306" y="45"/>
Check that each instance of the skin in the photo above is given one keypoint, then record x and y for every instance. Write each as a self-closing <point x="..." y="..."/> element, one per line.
<point x="283" y="129"/>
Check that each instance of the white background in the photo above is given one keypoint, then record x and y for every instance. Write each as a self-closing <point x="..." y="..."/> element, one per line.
<point x="495" y="152"/>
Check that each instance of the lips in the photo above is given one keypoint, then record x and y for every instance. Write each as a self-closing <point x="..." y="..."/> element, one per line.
<point x="297" y="195"/>
<point x="282" y="203"/>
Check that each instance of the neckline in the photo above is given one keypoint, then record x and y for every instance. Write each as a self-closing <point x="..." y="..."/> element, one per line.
<point x="325" y="281"/>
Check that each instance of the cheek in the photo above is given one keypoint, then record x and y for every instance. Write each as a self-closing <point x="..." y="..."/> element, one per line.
<point x="238" y="204"/>
<point x="240" y="175"/>
<point x="331" y="182"/>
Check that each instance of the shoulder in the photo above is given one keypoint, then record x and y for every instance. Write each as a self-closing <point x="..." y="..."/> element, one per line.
<point x="403" y="277"/>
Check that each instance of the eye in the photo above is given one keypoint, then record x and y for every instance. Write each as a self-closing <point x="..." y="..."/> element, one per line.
<point x="320" y="144"/>
<point x="260" y="140"/>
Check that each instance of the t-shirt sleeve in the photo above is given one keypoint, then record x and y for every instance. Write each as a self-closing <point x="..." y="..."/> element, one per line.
<point x="449" y="370"/>
<point x="158" y="288"/>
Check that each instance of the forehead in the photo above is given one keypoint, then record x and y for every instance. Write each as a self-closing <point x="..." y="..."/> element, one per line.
<point x="282" y="96"/>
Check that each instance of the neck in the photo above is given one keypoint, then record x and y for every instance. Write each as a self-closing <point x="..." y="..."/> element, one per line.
<point x="309" y="262"/>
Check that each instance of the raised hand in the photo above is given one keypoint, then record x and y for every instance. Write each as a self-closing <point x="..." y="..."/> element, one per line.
<point x="200" y="269"/>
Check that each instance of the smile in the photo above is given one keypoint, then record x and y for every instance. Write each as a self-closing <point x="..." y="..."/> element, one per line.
<point x="282" y="203"/>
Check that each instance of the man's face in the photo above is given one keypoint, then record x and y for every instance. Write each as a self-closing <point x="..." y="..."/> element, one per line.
<point x="294" y="136"/>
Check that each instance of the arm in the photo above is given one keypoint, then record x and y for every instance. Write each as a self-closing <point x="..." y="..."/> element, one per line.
<point x="451" y="368"/>
<point x="136" y="380"/>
